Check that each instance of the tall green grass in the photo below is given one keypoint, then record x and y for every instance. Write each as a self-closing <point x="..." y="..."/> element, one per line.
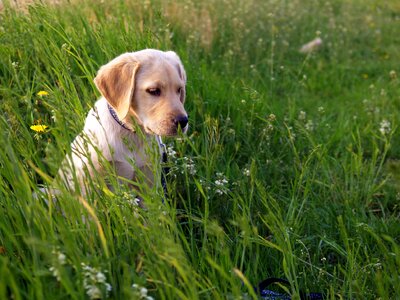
<point x="290" y="168"/>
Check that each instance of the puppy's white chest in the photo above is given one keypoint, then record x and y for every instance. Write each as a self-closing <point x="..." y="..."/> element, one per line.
<point x="127" y="163"/>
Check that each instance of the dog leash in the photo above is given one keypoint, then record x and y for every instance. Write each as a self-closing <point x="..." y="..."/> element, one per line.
<point x="165" y="168"/>
<point x="268" y="294"/>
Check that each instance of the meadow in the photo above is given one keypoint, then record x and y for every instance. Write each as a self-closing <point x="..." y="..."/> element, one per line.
<point x="290" y="167"/>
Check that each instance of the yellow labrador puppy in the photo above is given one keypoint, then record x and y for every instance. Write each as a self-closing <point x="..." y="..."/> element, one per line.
<point x="142" y="99"/>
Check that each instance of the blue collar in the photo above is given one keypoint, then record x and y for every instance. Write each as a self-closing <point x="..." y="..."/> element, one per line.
<point x="114" y="115"/>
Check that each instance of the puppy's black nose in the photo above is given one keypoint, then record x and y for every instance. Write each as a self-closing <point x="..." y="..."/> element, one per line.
<point x="181" y="121"/>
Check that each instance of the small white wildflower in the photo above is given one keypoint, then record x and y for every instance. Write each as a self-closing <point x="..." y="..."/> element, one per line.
<point x="393" y="74"/>
<point x="53" y="115"/>
<point x="309" y="125"/>
<point x="321" y="109"/>
<point x="134" y="202"/>
<point x="93" y="292"/>
<point x="243" y="101"/>
<point x="271" y="118"/>
<point x="219" y="192"/>
<point x="231" y="131"/>
<point x="100" y="277"/>
<point x="323" y="259"/>
<point x="65" y="47"/>
<point x="108" y="287"/>
<point x="302" y="115"/>
<point x="94" y="282"/>
<point x="171" y="152"/>
<point x="246" y="172"/>
<point x="189" y="166"/>
<point x="143" y="292"/>
<point x="56" y="273"/>
<point x="15" y="64"/>
<point x="61" y="258"/>
<point x="221" y="184"/>
<point x="385" y="127"/>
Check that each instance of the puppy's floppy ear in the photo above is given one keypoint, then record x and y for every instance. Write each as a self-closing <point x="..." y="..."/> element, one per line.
<point x="116" y="82"/>
<point x="181" y="71"/>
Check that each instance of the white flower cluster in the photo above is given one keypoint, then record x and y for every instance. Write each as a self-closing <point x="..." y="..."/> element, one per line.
<point x="180" y="164"/>
<point x="221" y="184"/>
<point x="189" y="165"/>
<point x="171" y="153"/>
<point x="66" y="47"/>
<point x="94" y="282"/>
<point x="308" y="123"/>
<point x="271" y="118"/>
<point x="266" y="132"/>
<point x="385" y="127"/>
<point x="134" y="203"/>
<point x="309" y="126"/>
<point x="61" y="259"/>
<point x="302" y="115"/>
<point x="141" y="292"/>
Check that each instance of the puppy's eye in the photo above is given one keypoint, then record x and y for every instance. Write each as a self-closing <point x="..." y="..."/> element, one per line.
<point x="154" y="91"/>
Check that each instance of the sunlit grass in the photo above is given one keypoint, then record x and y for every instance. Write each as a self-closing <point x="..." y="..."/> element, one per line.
<point x="290" y="167"/>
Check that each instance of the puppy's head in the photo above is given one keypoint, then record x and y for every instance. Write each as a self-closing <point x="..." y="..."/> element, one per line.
<point x="147" y="86"/>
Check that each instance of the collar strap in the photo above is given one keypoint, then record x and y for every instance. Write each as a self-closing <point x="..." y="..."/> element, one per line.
<point x="165" y="167"/>
<point x="115" y="117"/>
<point x="163" y="149"/>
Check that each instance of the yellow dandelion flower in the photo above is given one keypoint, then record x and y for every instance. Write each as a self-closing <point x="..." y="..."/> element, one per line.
<point x="39" y="128"/>
<point x="42" y="93"/>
